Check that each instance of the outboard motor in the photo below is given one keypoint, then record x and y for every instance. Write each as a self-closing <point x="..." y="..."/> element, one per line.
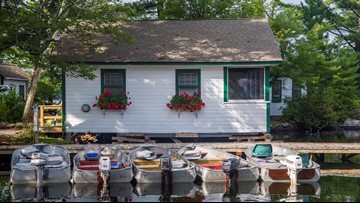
<point x="230" y="167"/>
<point x="166" y="167"/>
<point x="104" y="167"/>
<point x="39" y="160"/>
<point x="294" y="165"/>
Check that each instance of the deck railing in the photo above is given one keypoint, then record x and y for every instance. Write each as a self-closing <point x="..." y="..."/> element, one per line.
<point x="50" y="118"/>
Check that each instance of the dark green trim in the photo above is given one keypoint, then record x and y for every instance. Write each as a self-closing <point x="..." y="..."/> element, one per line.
<point x="179" y="71"/>
<point x="268" y="121"/>
<point x="103" y="71"/>
<point x="63" y="95"/>
<point x="276" y="100"/>
<point x="265" y="63"/>
<point x="267" y="83"/>
<point x="267" y="98"/>
<point x="1" y="80"/>
<point x="226" y="84"/>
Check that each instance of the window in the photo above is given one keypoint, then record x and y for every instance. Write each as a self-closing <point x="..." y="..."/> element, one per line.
<point x="188" y="81"/>
<point x="296" y="91"/>
<point x="276" y="92"/>
<point x="22" y="91"/>
<point x="113" y="81"/>
<point x="245" y="83"/>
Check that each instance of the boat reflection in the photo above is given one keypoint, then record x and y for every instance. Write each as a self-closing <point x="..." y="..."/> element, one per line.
<point x="116" y="192"/>
<point x="291" y="193"/>
<point x="158" y="192"/>
<point x="239" y="192"/>
<point x="52" y="192"/>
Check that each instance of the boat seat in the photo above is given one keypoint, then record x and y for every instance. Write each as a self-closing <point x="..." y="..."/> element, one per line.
<point x="92" y="152"/>
<point x="54" y="160"/>
<point x="262" y="150"/>
<point x="27" y="152"/>
<point x="94" y="165"/>
<point x="178" y="164"/>
<point x="212" y="166"/>
<point x="305" y="157"/>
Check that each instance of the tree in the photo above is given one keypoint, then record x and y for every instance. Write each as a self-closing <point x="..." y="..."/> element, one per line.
<point x="32" y="29"/>
<point x="201" y="9"/>
<point x="344" y="15"/>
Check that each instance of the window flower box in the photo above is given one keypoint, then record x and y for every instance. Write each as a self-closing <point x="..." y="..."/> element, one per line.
<point x="107" y="101"/>
<point x="186" y="102"/>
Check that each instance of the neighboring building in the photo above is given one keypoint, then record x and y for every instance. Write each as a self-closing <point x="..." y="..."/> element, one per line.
<point x="14" y="77"/>
<point x="281" y="89"/>
<point x="228" y="60"/>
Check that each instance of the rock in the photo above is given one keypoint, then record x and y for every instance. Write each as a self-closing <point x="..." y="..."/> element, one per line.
<point x="10" y="125"/>
<point x="18" y="125"/>
<point x="3" y="125"/>
<point x="352" y="123"/>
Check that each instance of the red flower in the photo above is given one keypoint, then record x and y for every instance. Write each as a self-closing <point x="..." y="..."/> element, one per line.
<point x="116" y="107"/>
<point x="177" y="93"/>
<point x="101" y="98"/>
<point x="199" y="92"/>
<point x="94" y="105"/>
<point x="122" y="106"/>
<point x="109" y="106"/>
<point x="122" y="93"/>
<point x="107" y="93"/>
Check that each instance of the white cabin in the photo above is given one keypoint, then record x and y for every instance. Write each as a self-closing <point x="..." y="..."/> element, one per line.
<point x="225" y="59"/>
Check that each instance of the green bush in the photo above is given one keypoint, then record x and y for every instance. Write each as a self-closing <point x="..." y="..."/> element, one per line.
<point x="13" y="107"/>
<point x="4" y="111"/>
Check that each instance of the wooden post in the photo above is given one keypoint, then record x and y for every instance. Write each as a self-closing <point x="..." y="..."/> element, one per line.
<point x="41" y="119"/>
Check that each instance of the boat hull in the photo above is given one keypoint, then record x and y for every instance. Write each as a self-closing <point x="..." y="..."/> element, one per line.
<point x="178" y="176"/>
<point x="209" y="167"/>
<point x="154" y="174"/>
<point x="271" y="170"/>
<point x="281" y="175"/>
<point x="244" y="174"/>
<point x="57" y="168"/>
<point x="94" y="176"/>
<point x="29" y="175"/>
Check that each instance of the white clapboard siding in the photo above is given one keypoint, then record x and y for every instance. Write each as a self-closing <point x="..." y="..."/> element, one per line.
<point x="151" y="88"/>
<point x="286" y="91"/>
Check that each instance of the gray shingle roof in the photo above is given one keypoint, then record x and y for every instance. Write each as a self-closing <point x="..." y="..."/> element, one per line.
<point x="240" y="40"/>
<point x="12" y="71"/>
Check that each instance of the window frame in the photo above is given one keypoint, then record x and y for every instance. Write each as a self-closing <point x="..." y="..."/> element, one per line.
<point x="177" y="79"/>
<point x="104" y="71"/>
<point x="22" y="93"/>
<point x="226" y="86"/>
<point x="277" y="100"/>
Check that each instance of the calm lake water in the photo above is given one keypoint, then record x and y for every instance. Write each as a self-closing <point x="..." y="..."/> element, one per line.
<point x="328" y="189"/>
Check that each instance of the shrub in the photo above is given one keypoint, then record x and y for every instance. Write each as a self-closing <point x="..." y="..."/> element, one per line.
<point x="14" y="105"/>
<point x="4" y="111"/>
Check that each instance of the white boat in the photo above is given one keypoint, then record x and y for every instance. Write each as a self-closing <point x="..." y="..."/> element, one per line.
<point x="210" y="164"/>
<point x="153" y="164"/>
<point x="278" y="164"/>
<point x="87" y="165"/>
<point x="40" y="164"/>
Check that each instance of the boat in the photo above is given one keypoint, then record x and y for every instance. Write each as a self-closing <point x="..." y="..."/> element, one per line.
<point x="99" y="164"/>
<point x="152" y="164"/>
<point x="210" y="164"/>
<point x="40" y="164"/>
<point x="279" y="164"/>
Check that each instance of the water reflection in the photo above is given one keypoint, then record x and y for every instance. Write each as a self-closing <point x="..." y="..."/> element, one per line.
<point x="58" y="192"/>
<point x="179" y="192"/>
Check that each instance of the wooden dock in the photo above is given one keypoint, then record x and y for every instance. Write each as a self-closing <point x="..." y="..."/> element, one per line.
<point x="314" y="148"/>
